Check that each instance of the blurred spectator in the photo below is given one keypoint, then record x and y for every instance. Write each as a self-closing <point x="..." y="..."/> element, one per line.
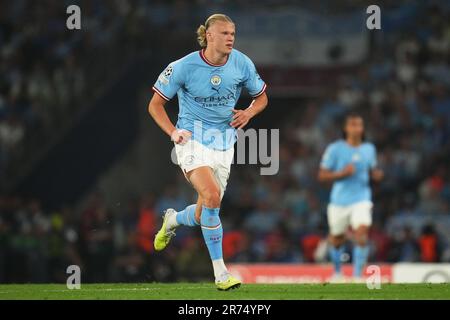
<point x="404" y="247"/>
<point x="97" y="239"/>
<point x="429" y="245"/>
<point x="263" y="219"/>
<point x="146" y="227"/>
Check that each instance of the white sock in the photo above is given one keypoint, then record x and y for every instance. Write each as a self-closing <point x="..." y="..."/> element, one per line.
<point x="219" y="268"/>
<point x="172" y="221"/>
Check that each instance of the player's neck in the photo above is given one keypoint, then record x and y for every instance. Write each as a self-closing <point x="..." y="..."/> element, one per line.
<point x="354" y="142"/>
<point x="215" y="57"/>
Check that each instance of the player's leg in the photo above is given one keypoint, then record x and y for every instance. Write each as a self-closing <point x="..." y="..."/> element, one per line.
<point x="335" y="252"/>
<point x="186" y="154"/>
<point x="198" y="209"/>
<point x="214" y="182"/>
<point x="222" y="167"/>
<point x="208" y="188"/>
<point x="173" y="219"/>
<point x="189" y="216"/>
<point x="338" y="222"/>
<point x="361" y="220"/>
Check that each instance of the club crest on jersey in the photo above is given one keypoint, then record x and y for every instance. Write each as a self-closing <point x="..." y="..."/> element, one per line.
<point x="356" y="157"/>
<point x="216" y="80"/>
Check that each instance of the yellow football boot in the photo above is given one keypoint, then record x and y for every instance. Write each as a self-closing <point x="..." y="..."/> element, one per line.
<point x="164" y="236"/>
<point x="229" y="283"/>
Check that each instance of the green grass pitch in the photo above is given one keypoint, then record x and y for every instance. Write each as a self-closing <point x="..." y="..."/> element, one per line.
<point x="202" y="291"/>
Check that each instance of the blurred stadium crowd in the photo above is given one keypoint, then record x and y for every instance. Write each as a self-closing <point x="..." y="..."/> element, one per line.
<point x="402" y="90"/>
<point x="47" y="73"/>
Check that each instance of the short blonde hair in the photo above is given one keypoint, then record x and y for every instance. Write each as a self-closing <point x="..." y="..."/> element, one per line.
<point x="201" y="31"/>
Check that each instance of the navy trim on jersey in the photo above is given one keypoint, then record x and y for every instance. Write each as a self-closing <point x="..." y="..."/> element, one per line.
<point x="160" y="94"/>
<point x="202" y="55"/>
<point x="261" y="92"/>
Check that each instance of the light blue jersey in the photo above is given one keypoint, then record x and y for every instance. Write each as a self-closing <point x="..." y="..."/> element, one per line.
<point x="355" y="188"/>
<point x="208" y="93"/>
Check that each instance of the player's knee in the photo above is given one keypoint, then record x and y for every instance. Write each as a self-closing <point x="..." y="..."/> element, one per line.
<point x="361" y="239"/>
<point x="337" y="241"/>
<point x="211" y="198"/>
<point x="362" y="235"/>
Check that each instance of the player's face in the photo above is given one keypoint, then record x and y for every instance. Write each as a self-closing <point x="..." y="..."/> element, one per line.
<point x="354" y="127"/>
<point x="221" y="36"/>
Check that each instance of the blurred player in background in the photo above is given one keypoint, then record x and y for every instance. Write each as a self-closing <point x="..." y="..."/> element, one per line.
<point x="350" y="163"/>
<point x="208" y="84"/>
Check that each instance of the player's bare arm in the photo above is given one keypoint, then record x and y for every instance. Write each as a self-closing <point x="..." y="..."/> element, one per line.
<point x="157" y="110"/>
<point x="326" y="175"/>
<point x="242" y="117"/>
<point x="377" y="174"/>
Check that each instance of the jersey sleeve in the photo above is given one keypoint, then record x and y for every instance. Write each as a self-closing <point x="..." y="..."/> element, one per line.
<point x="329" y="158"/>
<point x="253" y="82"/>
<point x="170" y="81"/>
<point x="373" y="160"/>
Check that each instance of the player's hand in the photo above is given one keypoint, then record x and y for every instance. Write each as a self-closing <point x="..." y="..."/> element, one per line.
<point x="240" y="118"/>
<point x="348" y="171"/>
<point x="180" y="136"/>
<point x="377" y="174"/>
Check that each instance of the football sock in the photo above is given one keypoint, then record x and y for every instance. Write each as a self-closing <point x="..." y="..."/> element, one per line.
<point x="220" y="270"/>
<point x="213" y="233"/>
<point x="335" y="257"/>
<point x="185" y="217"/>
<point x="360" y="256"/>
